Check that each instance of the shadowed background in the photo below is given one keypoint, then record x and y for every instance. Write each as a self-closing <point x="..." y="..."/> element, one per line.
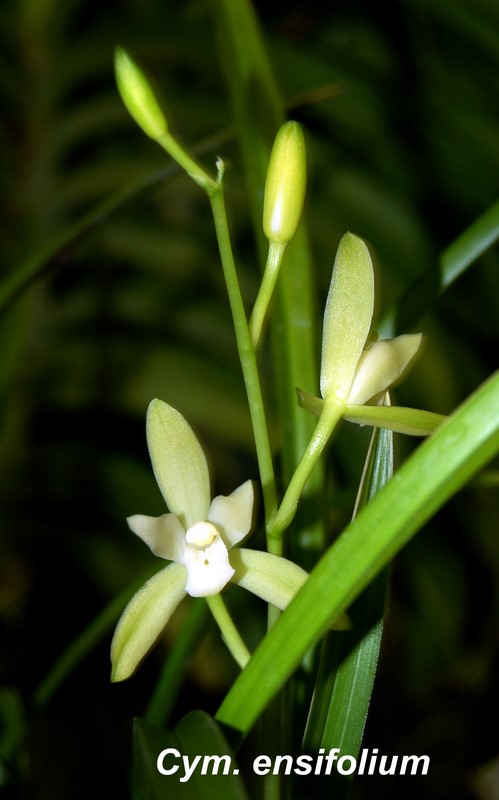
<point x="399" y="106"/>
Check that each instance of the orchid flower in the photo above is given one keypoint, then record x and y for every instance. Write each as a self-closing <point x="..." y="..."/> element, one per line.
<point x="356" y="372"/>
<point x="198" y="537"/>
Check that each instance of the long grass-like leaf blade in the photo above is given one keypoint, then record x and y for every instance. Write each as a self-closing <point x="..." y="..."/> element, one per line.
<point x="464" y="444"/>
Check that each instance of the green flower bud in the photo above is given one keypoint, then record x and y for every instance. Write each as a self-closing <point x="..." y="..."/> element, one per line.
<point x="285" y="184"/>
<point x="138" y="96"/>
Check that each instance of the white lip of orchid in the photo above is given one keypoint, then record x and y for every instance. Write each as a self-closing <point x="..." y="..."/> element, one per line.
<point x="207" y="560"/>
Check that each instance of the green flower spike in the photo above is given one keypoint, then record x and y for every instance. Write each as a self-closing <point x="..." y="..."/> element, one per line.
<point x="196" y="536"/>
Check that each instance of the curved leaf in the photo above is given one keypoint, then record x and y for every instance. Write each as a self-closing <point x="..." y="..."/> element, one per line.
<point x="467" y="441"/>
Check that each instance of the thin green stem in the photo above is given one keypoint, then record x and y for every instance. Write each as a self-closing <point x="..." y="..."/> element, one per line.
<point x="331" y="413"/>
<point x="247" y="355"/>
<point x="193" y="169"/>
<point x="229" y="631"/>
<point x="173" y="673"/>
<point x="274" y="258"/>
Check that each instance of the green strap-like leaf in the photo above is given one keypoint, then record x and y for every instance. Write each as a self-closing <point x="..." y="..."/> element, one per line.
<point x="273" y="578"/>
<point x="348" y="664"/>
<point x="467" y="441"/>
<point x="454" y="261"/>
<point x="55" y="254"/>
<point x="86" y="641"/>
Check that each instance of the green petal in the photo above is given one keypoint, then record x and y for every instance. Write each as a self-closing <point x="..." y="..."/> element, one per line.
<point x="144" y="618"/>
<point x="233" y="514"/>
<point x="179" y="463"/>
<point x="164" y="535"/>
<point x="381" y="365"/>
<point x="348" y="315"/>
<point x="276" y="580"/>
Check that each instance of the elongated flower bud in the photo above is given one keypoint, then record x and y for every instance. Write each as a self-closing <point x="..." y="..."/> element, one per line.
<point x="138" y="96"/>
<point x="285" y="184"/>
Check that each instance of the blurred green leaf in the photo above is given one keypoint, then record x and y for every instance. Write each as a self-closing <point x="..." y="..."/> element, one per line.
<point x="197" y="736"/>
<point x="85" y="642"/>
<point x="13" y="731"/>
<point x="455" y="259"/>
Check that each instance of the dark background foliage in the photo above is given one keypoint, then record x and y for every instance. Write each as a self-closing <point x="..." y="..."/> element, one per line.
<point x="399" y="101"/>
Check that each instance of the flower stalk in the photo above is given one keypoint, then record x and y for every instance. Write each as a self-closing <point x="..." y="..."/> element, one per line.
<point x="199" y="536"/>
<point x="229" y="632"/>
<point x="353" y="372"/>
<point x="247" y="356"/>
<point x="140" y="100"/>
<point x="332" y="412"/>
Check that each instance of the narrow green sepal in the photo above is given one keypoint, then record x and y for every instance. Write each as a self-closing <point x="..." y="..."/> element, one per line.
<point x="272" y="578"/>
<point x="348" y="315"/>
<point x="178" y="462"/>
<point x="412" y="421"/>
<point x="144" y="618"/>
<point x="138" y="96"/>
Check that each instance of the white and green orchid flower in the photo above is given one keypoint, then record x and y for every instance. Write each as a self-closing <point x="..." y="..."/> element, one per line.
<point x="197" y="537"/>
<point x="356" y="372"/>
